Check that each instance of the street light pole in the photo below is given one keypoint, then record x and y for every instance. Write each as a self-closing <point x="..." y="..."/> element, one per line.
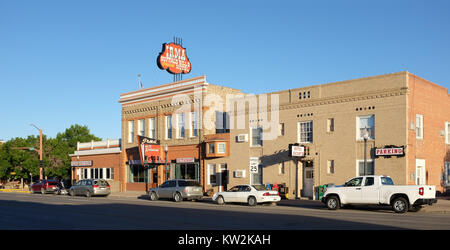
<point x="41" y="163"/>
<point x="166" y="149"/>
<point x="366" y="136"/>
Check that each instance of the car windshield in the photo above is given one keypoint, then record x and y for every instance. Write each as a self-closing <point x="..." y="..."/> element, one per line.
<point x="183" y="183"/>
<point x="386" y="181"/>
<point x="259" y="187"/>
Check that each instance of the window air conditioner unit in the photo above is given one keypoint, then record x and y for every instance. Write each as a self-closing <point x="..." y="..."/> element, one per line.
<point x="239" y="174"/>
<point x="242" y="138"/>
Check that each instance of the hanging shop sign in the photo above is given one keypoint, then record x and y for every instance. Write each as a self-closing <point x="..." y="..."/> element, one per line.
<point x="389" y="151"/>
<point x="149" y="150"/>
<point x="173" y="58"/>
<point x="296" y="150"/>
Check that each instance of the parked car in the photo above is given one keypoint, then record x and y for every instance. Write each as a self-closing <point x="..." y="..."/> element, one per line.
<point x="177" y="190"/>
<point x="45" y="186"/>
<point x="91" y="187"/>
<point x="379" y="190"/>
<point x="250" y="194"/>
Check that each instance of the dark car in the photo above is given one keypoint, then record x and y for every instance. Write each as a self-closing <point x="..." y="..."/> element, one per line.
<point x="45" y="186"/>
<point x="177" y="190"/>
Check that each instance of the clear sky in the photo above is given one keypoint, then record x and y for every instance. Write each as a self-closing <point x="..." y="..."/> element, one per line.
<point x="67" y="62"/>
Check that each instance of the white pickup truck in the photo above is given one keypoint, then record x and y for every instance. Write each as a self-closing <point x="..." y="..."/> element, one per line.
<point x="379" y="190"/>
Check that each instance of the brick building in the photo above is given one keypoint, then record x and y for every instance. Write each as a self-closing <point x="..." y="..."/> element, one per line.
<point x="98" y="159"/>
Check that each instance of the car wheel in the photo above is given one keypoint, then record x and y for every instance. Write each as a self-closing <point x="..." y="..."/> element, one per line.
<point x="400" y="205"/>
<point x="220" y="200"/>
<point x="252" y="201"/>
<point x="153" y="196"/>
<point x="88" y="194"/>
<point x="333" y="203"/>
<point x="177" y="197"/>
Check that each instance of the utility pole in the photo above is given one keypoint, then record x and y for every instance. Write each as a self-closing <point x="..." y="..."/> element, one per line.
<point x="40" y="151"/>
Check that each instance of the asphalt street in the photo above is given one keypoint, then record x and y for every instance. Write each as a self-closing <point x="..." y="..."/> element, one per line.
<point x="35" y="211"/>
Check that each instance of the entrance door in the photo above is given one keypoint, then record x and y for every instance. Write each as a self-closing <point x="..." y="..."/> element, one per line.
<point x="308" y="179"/>
<point x="420" y="172"/>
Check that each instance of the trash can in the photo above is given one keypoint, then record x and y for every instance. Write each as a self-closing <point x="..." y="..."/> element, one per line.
<point x="321" y="191"/>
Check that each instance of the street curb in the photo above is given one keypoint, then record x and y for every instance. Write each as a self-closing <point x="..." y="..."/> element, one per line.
<point x="15" y="191"/>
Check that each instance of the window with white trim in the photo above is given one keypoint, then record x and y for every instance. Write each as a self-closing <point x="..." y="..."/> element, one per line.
<point x="256" y="137"/>
<point x="305" y="132"/>
<point x="221" y="148"/>
<point x="168" y="127"/>
<point x="141" y="127"/>
<point x="330" y="166"/>
<point x="151" y="128"/>
<point x="194" y="124"/>
<point x="364" y="123"/>
<point x="368" y="170"/>
<point x="419" y="126"/>
<point x="130" y="131"/>
<point x="180" y="126"/>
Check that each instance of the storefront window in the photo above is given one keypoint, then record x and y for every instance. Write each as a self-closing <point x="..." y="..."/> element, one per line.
<point x="137" y="173"/>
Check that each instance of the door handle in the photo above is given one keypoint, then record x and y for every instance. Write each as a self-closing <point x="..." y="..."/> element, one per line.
<point x="358" y="188"/>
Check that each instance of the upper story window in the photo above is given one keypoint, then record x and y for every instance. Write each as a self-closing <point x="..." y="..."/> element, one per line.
<point x="256" y="137"/>
<point x="194" y="124"/>
<point x="447" y="132"/>
<point x="330" y="125"/>
<point x="141" y="127"/>
<point x="180" y="126"/>
<point x="366" y="127"/>
<point x="305" y="132"/>
<point x="281" y="129"/>
<point x="419" y="126"/>
<point x="130" y="131"/>
<point x="222" y="122"/>
<point x="169" y="127"/>
<point x="151" y="128"/>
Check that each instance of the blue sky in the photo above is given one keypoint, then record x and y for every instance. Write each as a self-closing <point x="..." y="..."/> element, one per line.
<point x="67" y="62"/>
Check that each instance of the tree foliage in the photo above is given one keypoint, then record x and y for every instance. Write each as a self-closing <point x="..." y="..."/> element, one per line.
<point x="19" y="163"/>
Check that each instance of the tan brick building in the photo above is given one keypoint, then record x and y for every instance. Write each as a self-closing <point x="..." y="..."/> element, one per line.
<point x="170" y="113"/>
<point x="397" y="109"/>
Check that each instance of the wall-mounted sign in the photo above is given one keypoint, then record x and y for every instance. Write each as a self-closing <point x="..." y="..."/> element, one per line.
<point x="81" y="163"/>
<point x="296" y="150"/>
<point x="173" y="58"/>
<point x="149" y="150"/>
<point x="390" y="151"/>
<point x="186" y="160"/>
<point x="254" y="162"/>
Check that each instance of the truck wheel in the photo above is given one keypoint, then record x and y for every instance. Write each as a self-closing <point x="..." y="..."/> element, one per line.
<point x="333" y="203"/>
<point x="400" y="205"/>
